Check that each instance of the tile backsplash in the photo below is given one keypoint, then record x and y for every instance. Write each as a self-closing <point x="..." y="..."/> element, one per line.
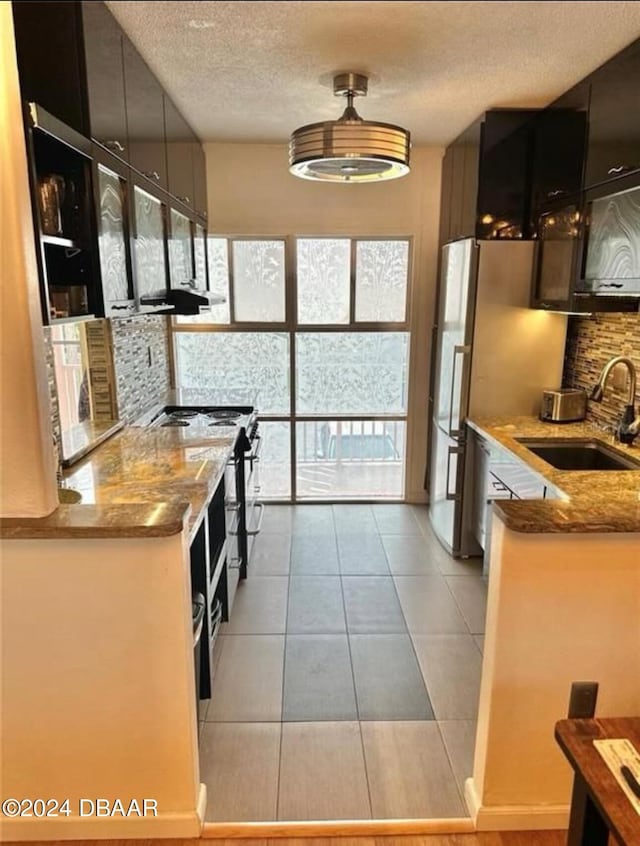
<point x="591" y="342"/>
<point x="141" y="358"/>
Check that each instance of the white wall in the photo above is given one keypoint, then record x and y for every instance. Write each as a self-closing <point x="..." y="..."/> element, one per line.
<point x="251" y="192"/>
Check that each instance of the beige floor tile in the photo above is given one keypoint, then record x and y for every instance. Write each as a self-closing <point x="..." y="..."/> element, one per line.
<point x="451" y="666"/>
<point x="239" y="765"/>
<point x="428" y="606"/>
<point x="409" y="555"/>
<point x="278" y="519"/>
<point x="248" y="680"/>
<point x="322" y="772"/>
<point x="409" y="772"/>
<point x="260" y="607"/>
<point x="395" y="520"/>
<point x="271" y="555"/>
<point x="470" y="594"/>
<point x="479" y="639"/>
<point x="460" y="742"/>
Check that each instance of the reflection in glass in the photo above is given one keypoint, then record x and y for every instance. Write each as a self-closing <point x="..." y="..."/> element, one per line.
<point x="323" y="279"/>
<point x="258" y="280"/>
<point x="382" y="271"/>
<point x="352" y="372"/>
<point x="200" y="256"/>
<point x="112" y="237"/>
<point x="84" y="376"/>
<point x="151" y="274"/>
<point x="339" y="459"/>
<point x="180" y="257"/>
<point x="275" y="460"/>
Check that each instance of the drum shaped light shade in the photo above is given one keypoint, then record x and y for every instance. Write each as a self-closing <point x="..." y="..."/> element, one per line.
<point x="350" y="149"/>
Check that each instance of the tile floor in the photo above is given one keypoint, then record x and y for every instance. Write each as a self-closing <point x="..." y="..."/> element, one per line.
<point x="347" y="680"/>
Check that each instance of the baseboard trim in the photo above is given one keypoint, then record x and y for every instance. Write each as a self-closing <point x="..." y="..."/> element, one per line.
<point x="177" y="825"/>
<point x="334" y="828"/>
<point x="514" y="817"/>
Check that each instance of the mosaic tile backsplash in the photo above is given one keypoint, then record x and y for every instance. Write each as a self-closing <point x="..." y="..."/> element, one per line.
<point x="591" y="342"/>
<point x="141" y="357"/>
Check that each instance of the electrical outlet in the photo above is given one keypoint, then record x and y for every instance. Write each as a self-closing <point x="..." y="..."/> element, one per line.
<point x="620" y="377"/>
<point x="582" y="702"/>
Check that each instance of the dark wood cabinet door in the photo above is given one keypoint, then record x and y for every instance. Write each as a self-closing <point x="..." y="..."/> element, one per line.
<point x="614" y="118"/>
<point x="558" y="252"/>
<point x="180" y="148"/>
<point x="105" y="78"/>
<point x="199" y="180"/>
<point x="145" y="117"/>
<point x="503" y="190"/>
<point x="48" y="39"/>
<point x="559" y="145"/>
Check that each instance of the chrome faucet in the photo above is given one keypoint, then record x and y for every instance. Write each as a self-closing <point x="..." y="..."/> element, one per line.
<point x="629" y="424"/>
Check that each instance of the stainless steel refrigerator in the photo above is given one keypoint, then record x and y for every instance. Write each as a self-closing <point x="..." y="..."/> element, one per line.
<point x="493" y="356"/>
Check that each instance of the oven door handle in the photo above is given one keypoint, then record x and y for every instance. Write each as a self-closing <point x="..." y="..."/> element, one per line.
<point x="254" y="455"/>
<point x="256" y="531"/>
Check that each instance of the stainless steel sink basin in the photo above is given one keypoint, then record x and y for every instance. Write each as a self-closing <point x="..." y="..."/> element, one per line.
<point x="576" y="454"/>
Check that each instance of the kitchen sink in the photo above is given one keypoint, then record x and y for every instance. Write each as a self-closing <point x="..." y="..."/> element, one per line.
<point x="578" y="454"/>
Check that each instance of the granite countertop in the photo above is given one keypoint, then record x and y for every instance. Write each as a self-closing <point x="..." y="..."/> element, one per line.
<point x="140" y="483"/>
<point x="593" y="501"/>
<point x="79" y="440"/>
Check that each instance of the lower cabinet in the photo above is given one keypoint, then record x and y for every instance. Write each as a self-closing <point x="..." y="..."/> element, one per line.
<point x="498" y="475"/>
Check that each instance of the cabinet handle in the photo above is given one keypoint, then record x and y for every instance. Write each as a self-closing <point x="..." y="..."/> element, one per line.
<point x="152" y="174"/>
<point x="114" y="145"/>
<point x="555" y="193"/>
<point x="613" y="171"/>
<point x="121" y="307"/>
<point x="185" y="199"/>
<point x="610" y="285"/>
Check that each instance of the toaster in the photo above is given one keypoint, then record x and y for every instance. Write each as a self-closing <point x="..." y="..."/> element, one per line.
<point x="563" y="405"/>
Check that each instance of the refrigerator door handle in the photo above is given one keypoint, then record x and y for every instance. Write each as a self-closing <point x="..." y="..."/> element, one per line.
<point x="451" y="451"/>
<point x="457" y="350"/>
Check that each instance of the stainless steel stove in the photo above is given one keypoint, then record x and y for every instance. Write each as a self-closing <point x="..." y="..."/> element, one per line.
<point x="242" y="483"/>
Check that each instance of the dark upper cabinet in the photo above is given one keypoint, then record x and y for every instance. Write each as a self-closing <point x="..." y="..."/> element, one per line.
<point x="51" y="59"/>
<point x="486" y="178"/>
<point x="105" y="78"/>
<point x="181" y="143"/>
<point x="559" y="145"/>
<point x="145" y="117"/>
<point x="199" y="181"/>
<point x="614" y="118"/>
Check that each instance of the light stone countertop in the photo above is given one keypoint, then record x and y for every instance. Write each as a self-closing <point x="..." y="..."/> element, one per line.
<point x="140" y="483"/>
<point x="80" y="440"/>
<point x="596" y="500"/>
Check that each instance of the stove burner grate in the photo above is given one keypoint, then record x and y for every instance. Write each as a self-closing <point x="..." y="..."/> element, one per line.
<point x="174" y="423"/>
<point x="182" y="414"/>
<point x="224" y="414"/>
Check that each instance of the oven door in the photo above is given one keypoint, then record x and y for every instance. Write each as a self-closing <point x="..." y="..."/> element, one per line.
<point x="254" y="509"/>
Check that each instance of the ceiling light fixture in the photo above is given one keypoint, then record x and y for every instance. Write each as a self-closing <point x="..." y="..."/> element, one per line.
<point x="349" y="149"/>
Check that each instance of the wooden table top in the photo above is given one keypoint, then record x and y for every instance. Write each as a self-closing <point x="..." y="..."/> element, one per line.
<point x="575" y="738"/>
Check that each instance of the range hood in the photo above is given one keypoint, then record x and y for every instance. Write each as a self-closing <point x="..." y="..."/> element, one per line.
<point x="187" y="299"/>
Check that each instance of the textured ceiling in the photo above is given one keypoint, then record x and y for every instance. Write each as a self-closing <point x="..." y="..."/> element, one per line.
<point x="254" y="71"/>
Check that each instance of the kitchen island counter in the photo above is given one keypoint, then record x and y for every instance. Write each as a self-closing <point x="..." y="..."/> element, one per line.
<point x="140" y="483"/>
<point x="594" y="500"/>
